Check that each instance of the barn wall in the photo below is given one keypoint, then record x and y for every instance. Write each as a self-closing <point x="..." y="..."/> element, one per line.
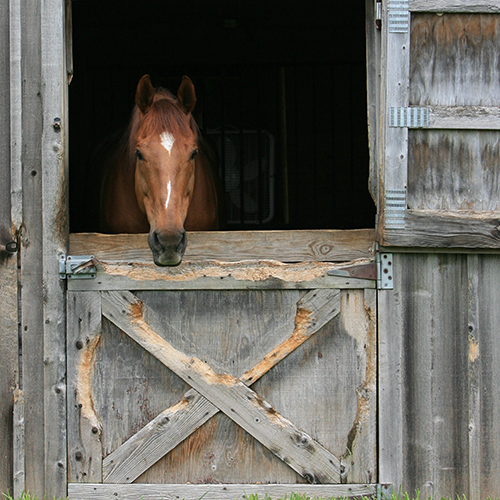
<point x="439" y="357"/>
<point x="8" y="267"/>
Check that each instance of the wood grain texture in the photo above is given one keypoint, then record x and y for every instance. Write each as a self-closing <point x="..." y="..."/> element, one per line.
<point x="55" y="232"/>
<point x="373" y="68"/>
<point x="439" y="351"/>
<point x="457" y="6"/>
<point x="464" y="117"/>
<point x="31" y="248"/>
<point x="18" y="445"/>
<point x="454" y="170"/>
<point x="486" y="333"/>
<point x="84" y="425"/>
<point x="474" y="379"/>
<point x="212" y="275"/>
<point x="175" y="424"/>
<point x="234" y="246"/>
<point x="237" y="401"/>
<point x="441" y="229"/>
<point x="214" y="491"/>
<point x="10" y="364"/>
<point x="454" y="60"/>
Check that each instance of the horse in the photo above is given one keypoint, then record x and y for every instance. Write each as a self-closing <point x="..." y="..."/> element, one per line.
<point x="162" y="177"/>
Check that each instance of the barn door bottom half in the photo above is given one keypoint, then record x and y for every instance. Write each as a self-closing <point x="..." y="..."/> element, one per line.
<point x="221" y="380"/>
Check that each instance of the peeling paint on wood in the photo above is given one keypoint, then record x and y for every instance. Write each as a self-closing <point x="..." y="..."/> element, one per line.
<point x="83" y="387"/>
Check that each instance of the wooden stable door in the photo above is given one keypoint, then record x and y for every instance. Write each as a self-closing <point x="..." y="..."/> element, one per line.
<point x="260" y="374"/>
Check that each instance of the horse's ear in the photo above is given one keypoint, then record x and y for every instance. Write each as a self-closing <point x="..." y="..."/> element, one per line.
<point x="186" y="94"/>
<point x="144" y="94"/>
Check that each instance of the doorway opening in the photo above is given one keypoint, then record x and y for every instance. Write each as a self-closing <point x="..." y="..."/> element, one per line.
<point x="281" y="91"/>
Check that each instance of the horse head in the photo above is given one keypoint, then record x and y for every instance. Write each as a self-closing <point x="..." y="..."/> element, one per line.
<point x="166" y="145"/>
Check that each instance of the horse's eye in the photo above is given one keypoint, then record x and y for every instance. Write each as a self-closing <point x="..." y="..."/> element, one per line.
<point x="193" y="154"/>
<point x="139" y="155"/>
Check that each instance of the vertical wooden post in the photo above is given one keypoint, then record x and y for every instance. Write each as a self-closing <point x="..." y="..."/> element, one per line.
<point x="32" y="292"/>
<point x="55" y="241"/>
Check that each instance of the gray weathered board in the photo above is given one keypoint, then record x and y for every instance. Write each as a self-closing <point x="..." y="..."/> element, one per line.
<point x="439" y="359"/>
<point x="239" y="386"/>
<point x="444" y="62"/>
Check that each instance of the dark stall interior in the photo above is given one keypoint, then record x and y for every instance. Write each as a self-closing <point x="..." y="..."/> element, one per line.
<point x="281" y="90"/>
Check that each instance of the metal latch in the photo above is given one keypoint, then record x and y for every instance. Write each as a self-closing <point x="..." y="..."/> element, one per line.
<point x="385" y="268"/>
<point x="77" y="267"/>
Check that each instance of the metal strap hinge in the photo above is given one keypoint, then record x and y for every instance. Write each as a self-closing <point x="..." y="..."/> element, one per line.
<point x="81" y="267"/>
<point x="385" y="271"/>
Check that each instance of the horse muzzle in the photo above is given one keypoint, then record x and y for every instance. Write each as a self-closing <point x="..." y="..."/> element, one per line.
<point x="168" y="248"/>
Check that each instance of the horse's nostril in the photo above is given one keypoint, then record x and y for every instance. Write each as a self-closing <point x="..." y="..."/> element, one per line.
<point x="166" y="240"/>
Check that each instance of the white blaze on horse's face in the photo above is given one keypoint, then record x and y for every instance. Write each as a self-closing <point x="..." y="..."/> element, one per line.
<point x="169" y="192"/>
<point x="167" y="141"/>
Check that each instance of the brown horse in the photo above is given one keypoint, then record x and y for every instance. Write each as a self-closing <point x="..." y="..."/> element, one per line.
<point x="162" y="178"/>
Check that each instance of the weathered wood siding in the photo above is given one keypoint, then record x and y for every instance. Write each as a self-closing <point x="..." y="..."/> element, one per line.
<point x="454" y="62"/>
<point x="439" y="356"/>
<point x="8" y="267"/>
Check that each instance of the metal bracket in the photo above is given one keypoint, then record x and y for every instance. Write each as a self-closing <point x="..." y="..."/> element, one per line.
<point x="77" y="267"/>
<point x="399" y="16"/>
<point x="385" y="271"/>
<point x="385" y="491"/>
<point x="409" y="117"/>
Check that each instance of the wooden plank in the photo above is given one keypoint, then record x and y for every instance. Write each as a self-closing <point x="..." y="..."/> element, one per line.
<point x="394" y="144"/>
<point x="474" y="378"/>
<point x="359" y="311"/>
<point x="454" y="170"/>
<point x="432" y="228"/>
<point x="219" y="276"/>
<point x="472" y="42"/>
<point x="230" y="395"/>
<point x="391" y="385"/>
<point x="19" y="465"/>
<point x="84" y="426"/>
<point x="15" y="90"/>
<point x="215" y="491"/>
<point x="234" y="246"/>
<point x="8" y="269"/>
<point x="373" y="68"/>
<point x="175" y="424"/>
<point x="5" y="200"/>
<point x="31" y="242"/>
<point x="423" y="375"/>
<point x="9" y="360"/>
<point x="464" y="117"/>
<point x="55" y="231"/>
<point x="458" y="6"/>
<point x="488" y="366"/>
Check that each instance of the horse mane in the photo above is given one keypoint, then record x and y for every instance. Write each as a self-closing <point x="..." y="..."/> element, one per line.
<point x="164" y="114"/>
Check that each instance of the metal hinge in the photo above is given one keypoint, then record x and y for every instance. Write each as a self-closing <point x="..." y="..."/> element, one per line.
<point x="378" y="14"/>
<point x="381" y="271"/>
<point x="363" y="271"/>
<point x="385" y="271"/>
<point x="77" y="267"/>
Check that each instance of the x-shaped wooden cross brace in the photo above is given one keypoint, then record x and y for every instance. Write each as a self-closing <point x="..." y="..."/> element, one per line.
<point x="213" y="392"/>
